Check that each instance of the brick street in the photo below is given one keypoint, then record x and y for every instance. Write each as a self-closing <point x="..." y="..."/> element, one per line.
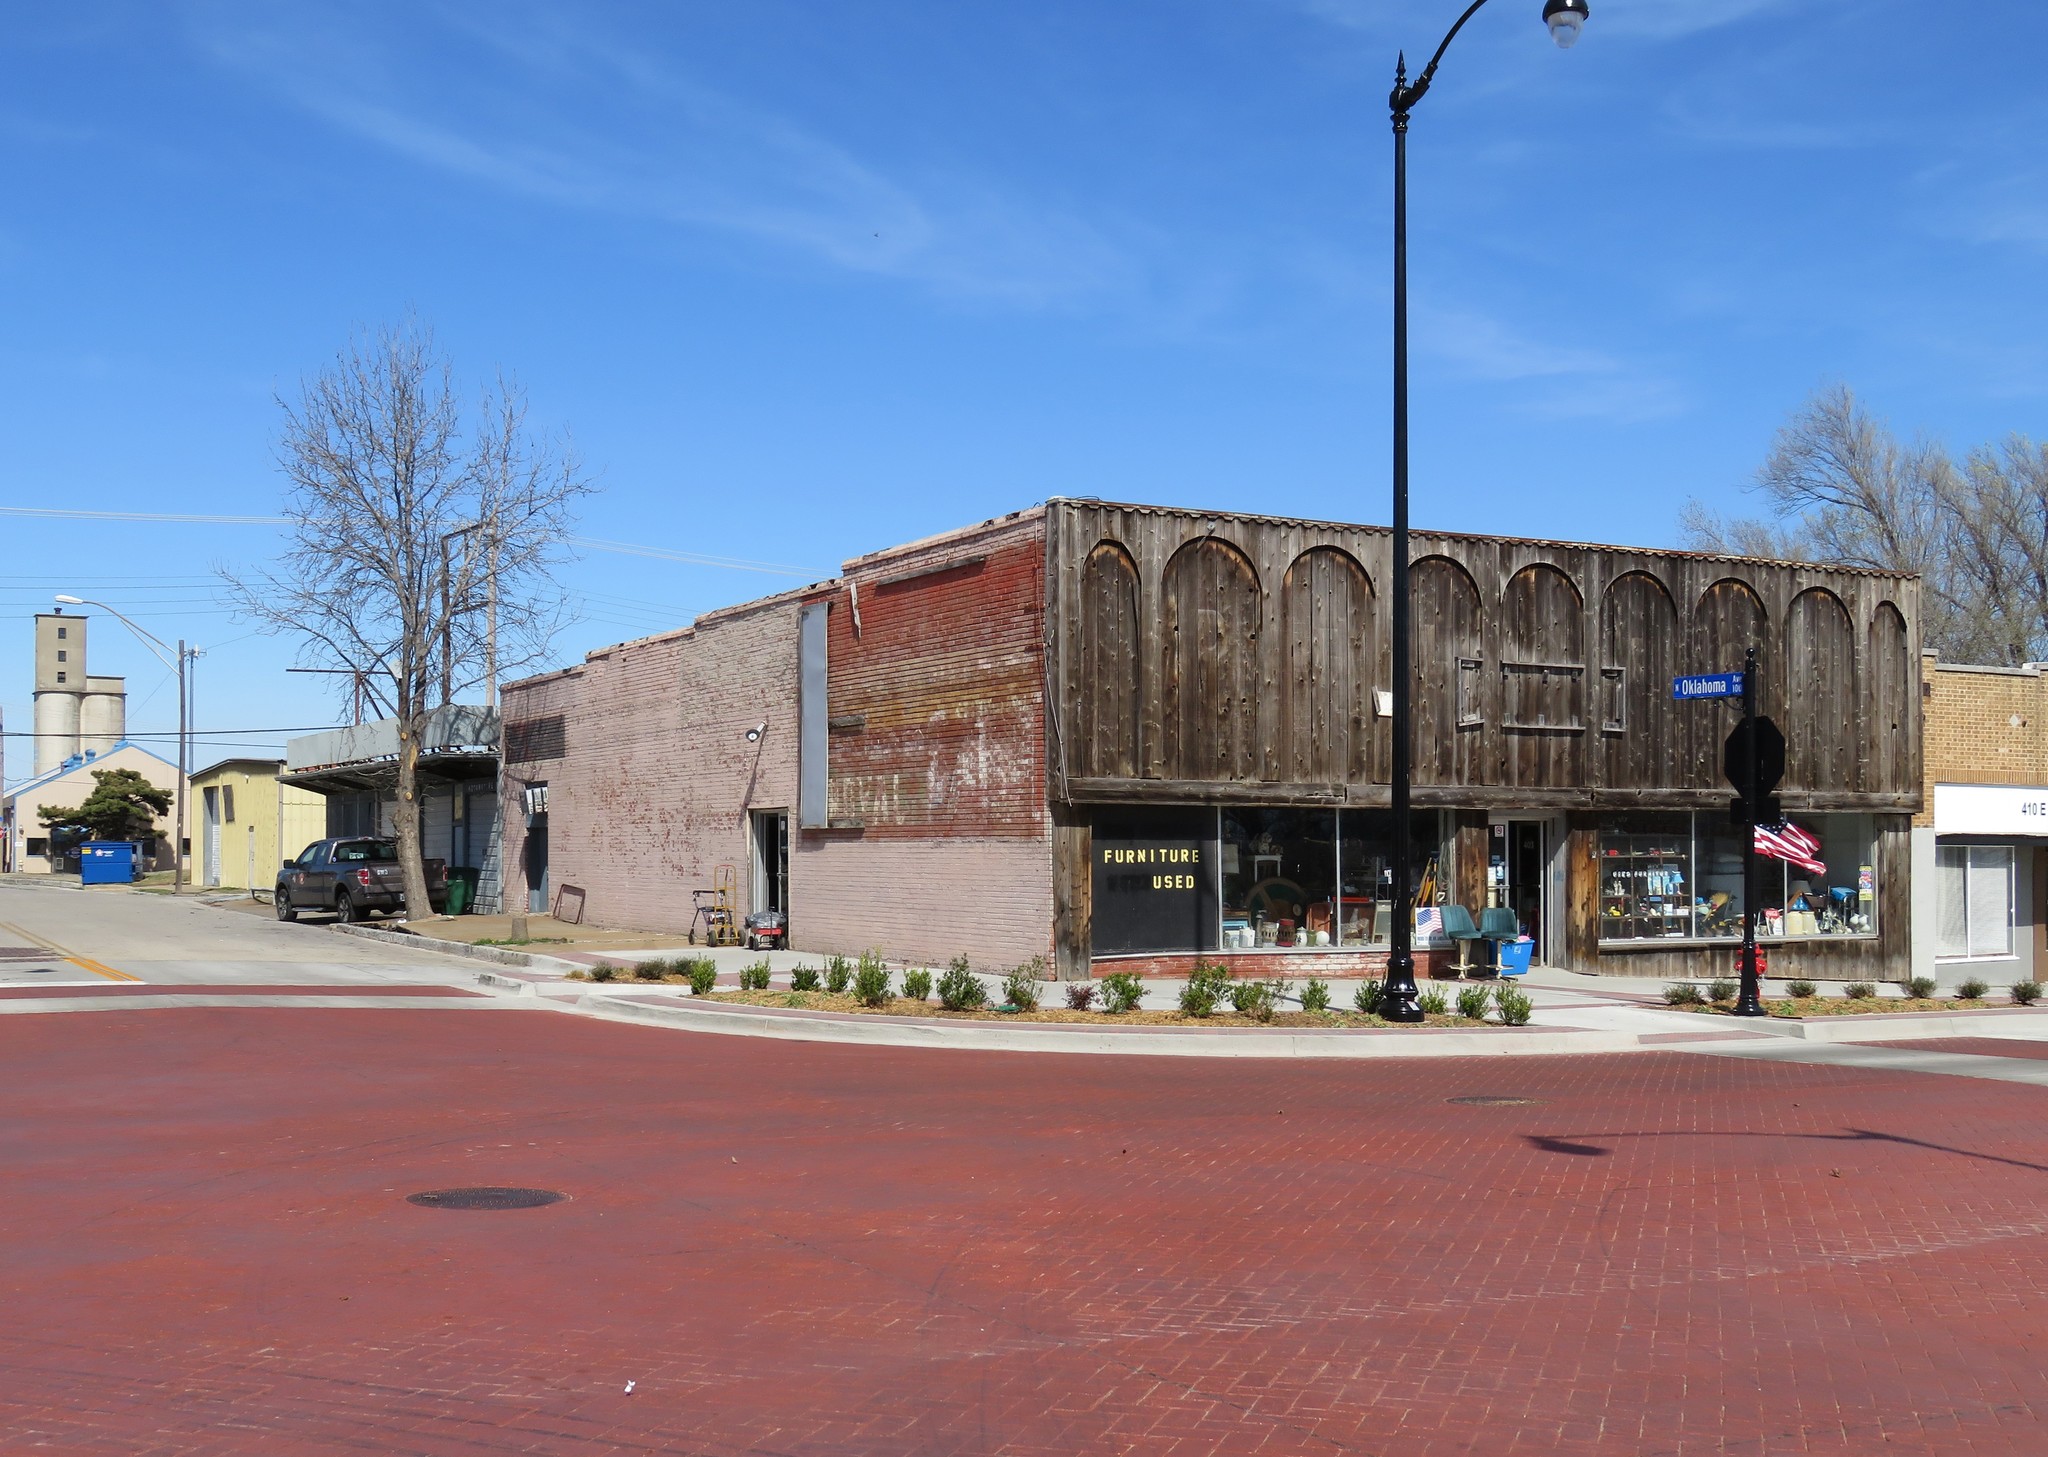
<point x="807" y="1249"/>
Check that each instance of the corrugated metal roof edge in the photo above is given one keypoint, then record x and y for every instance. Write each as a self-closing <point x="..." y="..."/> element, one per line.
<point x="1656" y="551"/>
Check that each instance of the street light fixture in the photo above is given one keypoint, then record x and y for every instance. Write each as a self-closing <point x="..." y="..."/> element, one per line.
<point x="1401" y="1002"/>
<point x="163" y="653"/>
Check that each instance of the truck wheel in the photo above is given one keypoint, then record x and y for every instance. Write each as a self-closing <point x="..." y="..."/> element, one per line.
<point x="282" y="900"/>
<point x="345" y="909"/>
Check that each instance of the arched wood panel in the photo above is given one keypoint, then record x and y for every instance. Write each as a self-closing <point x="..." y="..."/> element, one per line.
<point x="1209" y="666"/>
<point x="1893" y="694"/>
<point x="1106" y="735"/>
<point x="1728" y="620"/>
<point x="1542" y="680"/>
<point x="1326" y="726"/>
<point x="1449" y="698"/>
<point x="1641" y="731"/>
<point x="1821" y="723"/>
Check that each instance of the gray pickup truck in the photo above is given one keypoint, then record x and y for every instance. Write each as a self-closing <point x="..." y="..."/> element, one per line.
<point x="352" y="877"/>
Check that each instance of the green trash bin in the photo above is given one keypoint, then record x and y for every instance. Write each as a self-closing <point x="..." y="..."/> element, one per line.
<point x="462" y="882"/>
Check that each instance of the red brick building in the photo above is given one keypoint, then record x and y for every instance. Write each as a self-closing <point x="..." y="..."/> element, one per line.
<point x="1087" y="731"/>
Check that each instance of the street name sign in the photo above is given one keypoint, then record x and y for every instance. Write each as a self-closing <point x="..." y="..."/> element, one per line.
<point x="1707" y="685"/>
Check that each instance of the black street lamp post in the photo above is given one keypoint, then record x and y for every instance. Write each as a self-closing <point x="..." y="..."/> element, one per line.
<point x="1400" y="1002"/>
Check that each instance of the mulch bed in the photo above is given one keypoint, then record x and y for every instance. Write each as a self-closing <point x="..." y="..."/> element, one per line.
<point x="904" y="1007"/>
<point x="1798" y="1007"/>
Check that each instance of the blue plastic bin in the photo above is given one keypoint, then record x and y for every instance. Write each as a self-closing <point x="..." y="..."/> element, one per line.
<point x="1515" y="956"/>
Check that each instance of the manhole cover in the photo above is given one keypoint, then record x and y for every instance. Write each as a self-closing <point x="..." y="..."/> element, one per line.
<point x="491" y="1198"/>
<point x="1491" y="1100"/>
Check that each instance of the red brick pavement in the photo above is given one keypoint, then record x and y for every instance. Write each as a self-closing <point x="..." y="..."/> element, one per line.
<point x="813" y="1249"/>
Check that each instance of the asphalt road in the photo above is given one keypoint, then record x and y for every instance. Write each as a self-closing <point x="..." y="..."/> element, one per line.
<point x="54" y="936"/>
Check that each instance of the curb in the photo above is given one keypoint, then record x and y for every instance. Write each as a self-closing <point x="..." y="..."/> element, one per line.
<point x="1916" y="1026"/>
<point x="1140" y="1042"/>
<point x="495" y="954"/>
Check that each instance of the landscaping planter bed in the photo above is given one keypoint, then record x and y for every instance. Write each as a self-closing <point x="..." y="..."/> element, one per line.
<point x="1799" y="1008"/>
<point x="906" y="1007"/>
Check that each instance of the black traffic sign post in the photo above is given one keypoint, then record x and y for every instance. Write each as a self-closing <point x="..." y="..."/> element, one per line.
<point x="1754" y="760"/>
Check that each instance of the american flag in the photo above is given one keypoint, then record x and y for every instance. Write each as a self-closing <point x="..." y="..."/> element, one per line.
<point x="1790" y="843"/>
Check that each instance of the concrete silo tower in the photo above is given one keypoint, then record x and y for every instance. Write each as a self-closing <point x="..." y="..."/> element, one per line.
<point x="74" y="711"/>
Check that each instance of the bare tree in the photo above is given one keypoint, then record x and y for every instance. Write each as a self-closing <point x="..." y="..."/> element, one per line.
<point x="1839" y="486"/>
<point x="385" y="476"/>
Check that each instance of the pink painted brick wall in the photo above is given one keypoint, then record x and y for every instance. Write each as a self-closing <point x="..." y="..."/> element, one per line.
<point x="946" y="772"/>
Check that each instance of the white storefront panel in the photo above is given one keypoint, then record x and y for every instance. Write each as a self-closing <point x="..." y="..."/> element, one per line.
<point x="2003" y="810"/>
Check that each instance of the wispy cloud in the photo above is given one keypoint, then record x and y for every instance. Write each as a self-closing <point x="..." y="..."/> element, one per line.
<point x="1555" y="380"/>
<point x="571" y="119"/>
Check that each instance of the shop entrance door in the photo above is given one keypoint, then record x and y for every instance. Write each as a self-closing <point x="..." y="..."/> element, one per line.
<point x="1528" y="871"/>
<point x="210" y="864"/>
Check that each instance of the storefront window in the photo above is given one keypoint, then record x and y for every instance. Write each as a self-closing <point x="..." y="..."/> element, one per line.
<point x="1365" y="861"/>
<point x="1279" y="877"/>
<point x="1973" y="901"/>
<point x="1680" y="876"/>
<point x="1154" y="881"/>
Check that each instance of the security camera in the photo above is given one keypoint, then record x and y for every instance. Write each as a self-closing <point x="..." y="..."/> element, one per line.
<point x="754" y="733"/>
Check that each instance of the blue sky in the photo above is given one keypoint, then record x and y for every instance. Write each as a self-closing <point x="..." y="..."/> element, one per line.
<point x="807" y="279"/>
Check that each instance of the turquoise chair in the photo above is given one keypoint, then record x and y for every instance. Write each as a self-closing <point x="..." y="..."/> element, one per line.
<point x="1458" y="926"/>
<point x="1498" y="924"/>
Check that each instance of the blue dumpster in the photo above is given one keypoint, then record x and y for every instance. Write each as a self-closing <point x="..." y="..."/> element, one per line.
<point x="108" y="862"/>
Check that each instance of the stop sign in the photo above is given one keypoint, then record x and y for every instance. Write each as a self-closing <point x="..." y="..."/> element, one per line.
<point x="1770" y="756"/>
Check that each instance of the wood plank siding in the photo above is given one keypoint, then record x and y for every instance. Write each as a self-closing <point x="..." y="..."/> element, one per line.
<point x="1213" y="658"/>
<point x="1236" y="657"/>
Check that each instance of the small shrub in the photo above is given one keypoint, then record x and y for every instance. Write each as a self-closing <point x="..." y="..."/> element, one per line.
<point x="1515" y="1006"/>
<point x="603" y="971"/>
<point x="1256" y="998"/>
<point x="754" y="978"/>
<point x="1684" y="994"/>
<point x="1971" y="989"/>
<point x="917" y="985"/>
<point x="1473" y="1002"/>
<point x="1121" y="992"/>
<point x="1720" y="989"/>
<point x="805" y="979"/>
<point x="1080" y="995"/>
<point x="1369" y="996"/>
<point x="574" y="973"/>
<point x="838" y="973"/>
<point x="960" y="990"/>
<point x="703" y="974"/>
<point x="871" y="982"/>
<point x="1859" y="991"/>
<point x="796" y="999"/>
<point x="1433" y="1003"/>
<point x="652" y="969"/>
<point x="1801" y="989"/>
<point x="1020" y="984"/>
<point x="2026" y="993"/>
<point x="1315" y="997"/>
<point x="1208" y="984"/>
<point x="1918" y="987"/>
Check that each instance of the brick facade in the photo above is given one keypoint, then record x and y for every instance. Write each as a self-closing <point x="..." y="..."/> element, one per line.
<point x="650" y="775"/>
<point x="1983" y="726"/>
<point x="940" y="840"/>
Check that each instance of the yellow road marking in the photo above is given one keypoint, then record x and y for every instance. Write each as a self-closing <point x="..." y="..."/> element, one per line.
<point x="84" y="963"/>
<point x="98" y="970"/>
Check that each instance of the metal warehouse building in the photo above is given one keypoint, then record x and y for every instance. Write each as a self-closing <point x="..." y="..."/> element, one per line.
<point x="1101" y="733"/>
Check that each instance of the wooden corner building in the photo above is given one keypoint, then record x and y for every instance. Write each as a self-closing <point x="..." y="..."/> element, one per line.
<point x="1112" y="734"/>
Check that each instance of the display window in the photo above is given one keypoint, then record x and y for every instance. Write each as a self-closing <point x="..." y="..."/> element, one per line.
<point x="1679" y="876"/>
<point x="1250" y="879"/>
<point x="1974" y="898"/>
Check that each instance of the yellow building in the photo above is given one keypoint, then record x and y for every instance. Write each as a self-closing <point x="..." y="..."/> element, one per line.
<point x="240" y="807"/>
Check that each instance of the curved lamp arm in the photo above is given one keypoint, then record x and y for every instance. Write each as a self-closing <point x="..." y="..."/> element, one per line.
<point x="149" y="639"/>
<point x="1563" y="16"/>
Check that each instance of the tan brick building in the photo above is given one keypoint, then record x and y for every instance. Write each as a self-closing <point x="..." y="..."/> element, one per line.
<point x="1980" y="841"/>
